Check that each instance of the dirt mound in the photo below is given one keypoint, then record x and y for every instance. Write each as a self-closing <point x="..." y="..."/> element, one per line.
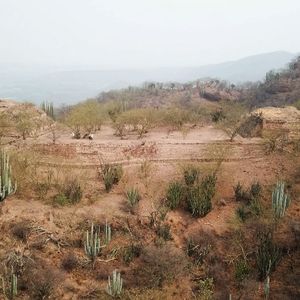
<point x="215" y="90"/>
<point x="287" y="114"/>
<point x="23" y="117"/>
<point x="284" y="119"/>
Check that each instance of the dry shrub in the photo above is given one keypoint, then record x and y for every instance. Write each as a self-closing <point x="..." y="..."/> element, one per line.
<point x="199" y="246"/>
<point x="69" y="262"/>
<point x="159" y="265"/>
<point x="19" y="261"/>
<point x="70" y="192"/>
<point x="104" y="271"/>
<point x="43" y="281"/>
<point x="21" y="230"/>
<point x="205" y="251"/>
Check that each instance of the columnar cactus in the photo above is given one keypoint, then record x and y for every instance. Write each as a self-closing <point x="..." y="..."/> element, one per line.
<point x="115" y="284"/>
<point x="267" y="287"/>
<point x="48" y="109"/>
<point x="107" y="232"/>
<point x="92" y="245"/>
<point x="280" y="200"/>
<point x="10" y="286"/>
<point x="13" y="286"/>
<point x="7" y="187"/>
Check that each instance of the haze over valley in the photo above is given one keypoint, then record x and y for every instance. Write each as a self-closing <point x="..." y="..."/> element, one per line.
<point x="71" y="84"/>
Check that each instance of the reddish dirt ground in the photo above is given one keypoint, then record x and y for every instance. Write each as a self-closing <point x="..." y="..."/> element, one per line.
<point x="244" y="160"/>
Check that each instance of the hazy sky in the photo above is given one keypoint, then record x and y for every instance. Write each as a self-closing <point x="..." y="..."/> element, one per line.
<point x="144" y="33"/>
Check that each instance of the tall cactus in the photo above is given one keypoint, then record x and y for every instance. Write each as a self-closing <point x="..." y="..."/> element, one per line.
<point x="107" y="232"/>
<point x="13" y="286"/>
<point x="48" y="108"/>
<point x="115" y="284"/>
<point x="7" y="187"/>
<point x="92" y="245"/>
<point x="280" y="200"/>
<point x="267" y="287"/>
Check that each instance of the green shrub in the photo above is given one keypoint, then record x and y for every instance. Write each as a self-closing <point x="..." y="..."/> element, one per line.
<point x="133" y="196"/>
<point x="208" y="186"/>
<point x="70" y="193"/>
<point x="72" y="190"/>
<point x="199" y="197"/>
<point x="242" y="213"/>
<point x="248" y="195"/>
<point x="255" y="206"/>
<point x="206" y="289"/>
<point x="255" y="190"/>
<point x="130" y="252"/>
<point x="61" y="199"/>
<point x="217" y="116"/>
<point x="164" y="232"/>
<point x="191" y="175"/>
<point x="267" y="255"/>
<point x="111" y="175"/>
<point x="241" y="270"/>
<point x="175" y="195"/>
<point x="239" y="193"/>
<point x="198" y="204"/>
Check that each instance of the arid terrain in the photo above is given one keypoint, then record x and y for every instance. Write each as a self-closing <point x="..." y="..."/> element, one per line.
<point x="151" y="193"/>
<point x="43" y="239"/>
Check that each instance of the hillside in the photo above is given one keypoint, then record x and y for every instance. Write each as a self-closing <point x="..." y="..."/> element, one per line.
<point x="278" y="89"/>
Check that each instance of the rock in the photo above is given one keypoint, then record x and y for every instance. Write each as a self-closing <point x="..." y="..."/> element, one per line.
<point x="223" y="202"/>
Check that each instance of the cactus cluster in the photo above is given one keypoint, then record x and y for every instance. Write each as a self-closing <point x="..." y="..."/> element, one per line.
<point x="48" y="109"/>
<point x="280" y="200"/>
<point x="115" y="284"/>
<point x="92" y="244"/>
<point x="7" y="187"/>
<point x="133" y="196"/>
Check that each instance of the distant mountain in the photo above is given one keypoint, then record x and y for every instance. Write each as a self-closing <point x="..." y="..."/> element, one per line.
<point x="70" y="86"/>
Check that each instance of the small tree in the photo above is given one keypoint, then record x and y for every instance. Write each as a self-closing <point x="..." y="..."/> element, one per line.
<point x="55" y="135"/>
<point x="24" y="124"/>
<point x="233" y="118"/>
<point x="87" y="117"/>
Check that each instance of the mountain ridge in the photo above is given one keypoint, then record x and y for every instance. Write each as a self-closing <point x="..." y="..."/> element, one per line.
<point x="70" y="86"/>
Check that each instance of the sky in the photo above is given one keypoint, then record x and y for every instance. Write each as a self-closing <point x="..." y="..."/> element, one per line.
<point x="122" y="34"/>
